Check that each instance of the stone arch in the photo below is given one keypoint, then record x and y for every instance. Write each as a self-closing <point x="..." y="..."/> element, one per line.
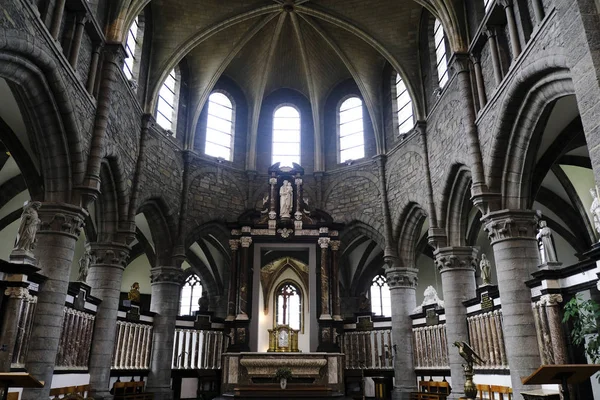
<point x="113" y="202"/>
<point x="538" y="85"/>
<point x="44" y="99"/>
<point x="455" y="205"/>
<point x="408" y="230"/>
<point x="163" y="227"/>
<point x="358" y="228"/>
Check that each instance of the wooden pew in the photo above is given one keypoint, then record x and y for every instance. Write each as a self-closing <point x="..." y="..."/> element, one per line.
<point x="431" y="390"/>
<point x="131" y="391"/>
<point x="70" y="392"/>
<point x="493" y="392"/>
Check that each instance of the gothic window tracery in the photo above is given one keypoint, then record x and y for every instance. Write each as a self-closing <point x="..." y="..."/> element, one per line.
<point x="190" y="294"/>
<point x="351" y="130"/>
<point x="286" y="136"/>
<point x="219" y="126"/>
<point x="288" y="305"/>
<point x="380" y="297"/>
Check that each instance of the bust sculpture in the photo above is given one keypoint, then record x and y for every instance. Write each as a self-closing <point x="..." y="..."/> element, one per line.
<point x="365" y="302"/>
<point x="285" y="202"/>
<point x="203" y="302"/>
<point x="134" y="293"/>
<point x="84" y="265"/>
<point x="486" y="268"/>
<point x="544" y="238"/>
<point x="595" y="209"/>
<point x="29" y="226"/>
<point x="430" y="296"/>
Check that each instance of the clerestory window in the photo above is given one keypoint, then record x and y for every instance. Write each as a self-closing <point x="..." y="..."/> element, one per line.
<point x="219" y="127"/>
<point x="190" y="294"/>
<point x="351" y="130"/>
<point x="166" y="108"/>
<point x="440" y="53"/>
<point x="381" y="303"/>
<point x="404" y="107"/>
<point x="286" y="136"/>
<point x="133" y="48"/>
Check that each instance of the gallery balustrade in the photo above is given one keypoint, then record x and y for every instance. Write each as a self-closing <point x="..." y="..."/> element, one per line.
<point x="197" y="349"/>
<point x="75" y="340"/>
<point x="371" y="349"/>
<point x="430" y="347"/>
<point x="132" y="346"/>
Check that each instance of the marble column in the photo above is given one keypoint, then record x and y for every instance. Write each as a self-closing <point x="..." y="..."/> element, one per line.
<point x="246" y="241"/>
<point x="105" y="276"/>
<point x="479" y="81"/>
<point x="325" y="312"/>
<point x="166" y="289"/>
<point x="515" y="42"/>
<point x="557" y="337"/>
<point x="335" y="280"/>
<point x="490" y="32"/>
<point x="76" y="44"/>
<point x="58" y="232"/>
<point x="233" y="280"/>
<point x="457" y="269"/>
<point x="402" y="283"/>
<point x="512" y="234"/>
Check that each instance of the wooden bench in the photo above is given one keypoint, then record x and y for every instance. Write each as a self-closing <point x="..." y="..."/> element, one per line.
<point x="131" y="391"/>
<point x="493" y="392"/>
<point x="431" y="390"/>
<point x="70" y="393"/>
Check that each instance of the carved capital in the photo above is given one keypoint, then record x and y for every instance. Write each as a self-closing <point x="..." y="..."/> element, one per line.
<point x="114" y="53"/>
<point x="511" y="224"/>
<point x="551" y="299"/>
<point x="61" y="218"/>
<point x="167" y="275"/>
<point x="298" y="181"/>
<point x="401" y="278"/>
<point x="324" y="242"/>
<point x="490" y="31"/>
<point x="475" y="58"/>
<point x="455" y="258"/>
<point x="335" y="245"/>
<point x="234" y="244"/>
<point x="16" y="292"/>
<point x="459" y="62"/>
<point x="115" y="254"/>
<point x="246" y="241"/>
<point x="273" y="181"/>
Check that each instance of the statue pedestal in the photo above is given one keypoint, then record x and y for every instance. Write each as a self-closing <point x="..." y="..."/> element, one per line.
<point x="550" y="265"/>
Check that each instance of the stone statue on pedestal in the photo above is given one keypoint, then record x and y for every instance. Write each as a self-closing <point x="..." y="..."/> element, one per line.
<point x="84" y="265"/>
<point x="286" y="198"/>
<point x="203" y="302"/>
<point x="430" y="296"/>
<point x="134" y="293"/>
<point x="595" y="208"/>
<point x="486" y="269"/>
<point x="29" y="226"/>
<point x="544" y="238"/>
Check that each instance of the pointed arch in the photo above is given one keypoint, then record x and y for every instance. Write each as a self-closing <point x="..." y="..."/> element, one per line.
<point x="456" y="204"/>
<point x="408" y="234"/>
<point x="162" y="226"/>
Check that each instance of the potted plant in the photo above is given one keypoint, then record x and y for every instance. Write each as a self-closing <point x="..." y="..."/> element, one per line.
<point x="584" y="315"/>
<point x="283" y="374"/>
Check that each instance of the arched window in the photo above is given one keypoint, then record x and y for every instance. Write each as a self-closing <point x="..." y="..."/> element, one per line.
<point x="166" y="108"/>
<point x="219" y="127"/>
<point x="404" y="105"/>
<point x="381" y="303"/>
<point x="351" y="130"/>
<point x="440" y="52"/>
<point x="190" y="294"/>
<point x="286" y="136"/>
<point x="289" y="306"/>
<point x="131" y="49"/>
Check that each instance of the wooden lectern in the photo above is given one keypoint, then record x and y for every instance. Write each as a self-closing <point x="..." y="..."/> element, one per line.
<point x="567" y="374"/>
<point x="17" y="380"/>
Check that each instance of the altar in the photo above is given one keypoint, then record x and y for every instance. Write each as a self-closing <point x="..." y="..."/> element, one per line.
<point x="252" y="375"/>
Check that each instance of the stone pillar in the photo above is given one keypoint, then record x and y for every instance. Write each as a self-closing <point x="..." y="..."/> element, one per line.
<point x="56" y="238"/>
<point x="105" y="276"/>
<point x="538" y="11"/>
<point x="166" y="288"/>
<point x="515" y="43"/>
<point x="59" y="9"/>
<point x="402" y="283"/>
<point x="91" y="81"/>
<point x="76" y="44"/>
<point x="335" y="280"/>
<point x="243" y="274"/>
<point x="512" y="234"/>
<point x="457" y="269"/>
<point x="325" y="312"/>
<point x="233" y="289"/>
<point x="479" y="81"/>
<point x="491" y="34"/>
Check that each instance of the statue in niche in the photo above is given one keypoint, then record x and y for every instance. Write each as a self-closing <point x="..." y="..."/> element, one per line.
<point x="29" y="227"/>
<point x="134" y="293"/>
<point x="203" y="301"/>
<point x="546" y="244"/>
<point x="595" y="208"/>
<point x="285" y="202"/>
<point x="486" y="269"/>
<point x="84" y="265"/>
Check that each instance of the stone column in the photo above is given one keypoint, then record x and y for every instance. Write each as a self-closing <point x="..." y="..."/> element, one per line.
<point x="335" y="279"/>
<point x="325" y="313"/>
<point x="56" y="238"/>
<point x="490" y="31"/>
<point x="538" y="11"/>
<point x="243" y="274"/>
<point x="105" y="276"/>
<point x="512" y="234"/>
<point x="76" y="44"/>
<point x="233" y="289"/>
<point x="457" y="269"/>
<point x="515" y="43"/>
<point x="166" y="288"/>
<point x="402" y="283"/>
<point x="59" y="9"/>
<point x="91" y="81"/>
<point x="479" y="81"/>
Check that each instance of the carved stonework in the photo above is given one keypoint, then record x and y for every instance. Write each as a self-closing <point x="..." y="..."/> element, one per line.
<point x="167" y="275"/>
<point x="246" y="241"/>
<point x="324" y="242"/>
<point x="511" y="224"/>
<point x="17" y="292"/>
<point x="335" y="245"/>
<point x="551" y="299"/>
<point x="234" y="244"/>
<point x="454" y="258"/>
<point x="109" y="253"/>
<point x="401" y="278"/>
<point x="460" y="63"/>
<point x="62" y="218"/>
<point x="285" y="232"/>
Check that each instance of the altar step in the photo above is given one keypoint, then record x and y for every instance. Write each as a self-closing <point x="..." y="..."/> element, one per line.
<point x="292" y="391"/>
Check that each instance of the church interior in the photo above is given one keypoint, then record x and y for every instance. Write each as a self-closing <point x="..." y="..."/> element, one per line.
<point x="305" y="199"/>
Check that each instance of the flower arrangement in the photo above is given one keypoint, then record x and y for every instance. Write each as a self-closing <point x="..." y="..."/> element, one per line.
<point x="283" y="373"/>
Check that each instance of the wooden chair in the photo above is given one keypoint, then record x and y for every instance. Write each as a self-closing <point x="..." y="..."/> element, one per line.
<point x="501" y="391"/>
<point x="484" y="392"/>
<point x="70" y="392"/>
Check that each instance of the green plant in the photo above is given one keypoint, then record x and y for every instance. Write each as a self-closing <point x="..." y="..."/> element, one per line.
<point x="283" y="373"/>
<point x="584" y="315"/>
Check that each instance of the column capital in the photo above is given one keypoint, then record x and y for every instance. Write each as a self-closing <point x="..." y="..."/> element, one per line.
<point x="62" y="218"/>
<point x="234" y="244"/>
<point x="114" y="52"/>
<point x="511" y="224"/>
<point x="246" y="241"/>
<point x="456" y="258"/>
<point x="459" y="62"/>
<point x="490" y="31"/>
<point x="110" y="253"/>
<point x="17" y="292"/>
<point x="172" y="275"/>
<point x="551" y="299"/>
<point x="401" y="278"/>
<point x="324" y="242"/>
<point x="335" y="245"/>
<point x="505" y="3"/>
<point x="475" y="58"/>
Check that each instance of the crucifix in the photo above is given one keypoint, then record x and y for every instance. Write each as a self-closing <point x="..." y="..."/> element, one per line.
<point x="286" y="292"/>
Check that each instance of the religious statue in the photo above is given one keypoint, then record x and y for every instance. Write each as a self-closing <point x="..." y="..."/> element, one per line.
<point x="286" y="197"/>
<point x="203" y="302"/>
<point x="84" y="265"/>
<point x="544" y="238"/>
<point x="430" y="296"/>
<point x="134" y="293"/>
<point x="595" y="208"/>
<point x="486" y="268"/>
<point x="365" y="303"/>
<point x="29" y="226"/>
